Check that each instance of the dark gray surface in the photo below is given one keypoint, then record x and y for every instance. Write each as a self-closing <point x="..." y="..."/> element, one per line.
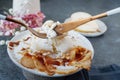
<point x="107" y="46"/>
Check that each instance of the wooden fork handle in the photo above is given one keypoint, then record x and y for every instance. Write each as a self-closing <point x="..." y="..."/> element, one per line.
<point x="60" y="29"/>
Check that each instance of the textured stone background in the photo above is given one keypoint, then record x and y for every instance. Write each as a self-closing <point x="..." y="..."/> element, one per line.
<point x="107" y="46"/>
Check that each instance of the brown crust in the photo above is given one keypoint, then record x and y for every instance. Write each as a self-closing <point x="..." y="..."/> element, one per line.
<point x="27" y="61"/>
<point x="78" y="57"/>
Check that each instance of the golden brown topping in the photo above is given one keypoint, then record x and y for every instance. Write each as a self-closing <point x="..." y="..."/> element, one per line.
<point x="12" y="44"/>
<point x="54" y="48"/>
<point x="27" y="61"/>
<point x="43" y="52"/>
<point x="52" y="61"/>
<point x="23" y="49"/>
<point x="11" y="48"/>
<point x="27" y="38"/>
<point x="39" y="63"/>
<point x="78" y="57"/>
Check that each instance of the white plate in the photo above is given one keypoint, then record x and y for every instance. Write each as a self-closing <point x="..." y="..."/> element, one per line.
<point x="102" y="28"/>
<point x="81" y="39"/>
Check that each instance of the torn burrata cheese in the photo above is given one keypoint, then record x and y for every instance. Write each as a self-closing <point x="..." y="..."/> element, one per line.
<point x="48" y="28"/>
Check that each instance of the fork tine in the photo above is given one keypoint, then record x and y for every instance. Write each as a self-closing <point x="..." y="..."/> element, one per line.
<point x="40" y="35"/>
